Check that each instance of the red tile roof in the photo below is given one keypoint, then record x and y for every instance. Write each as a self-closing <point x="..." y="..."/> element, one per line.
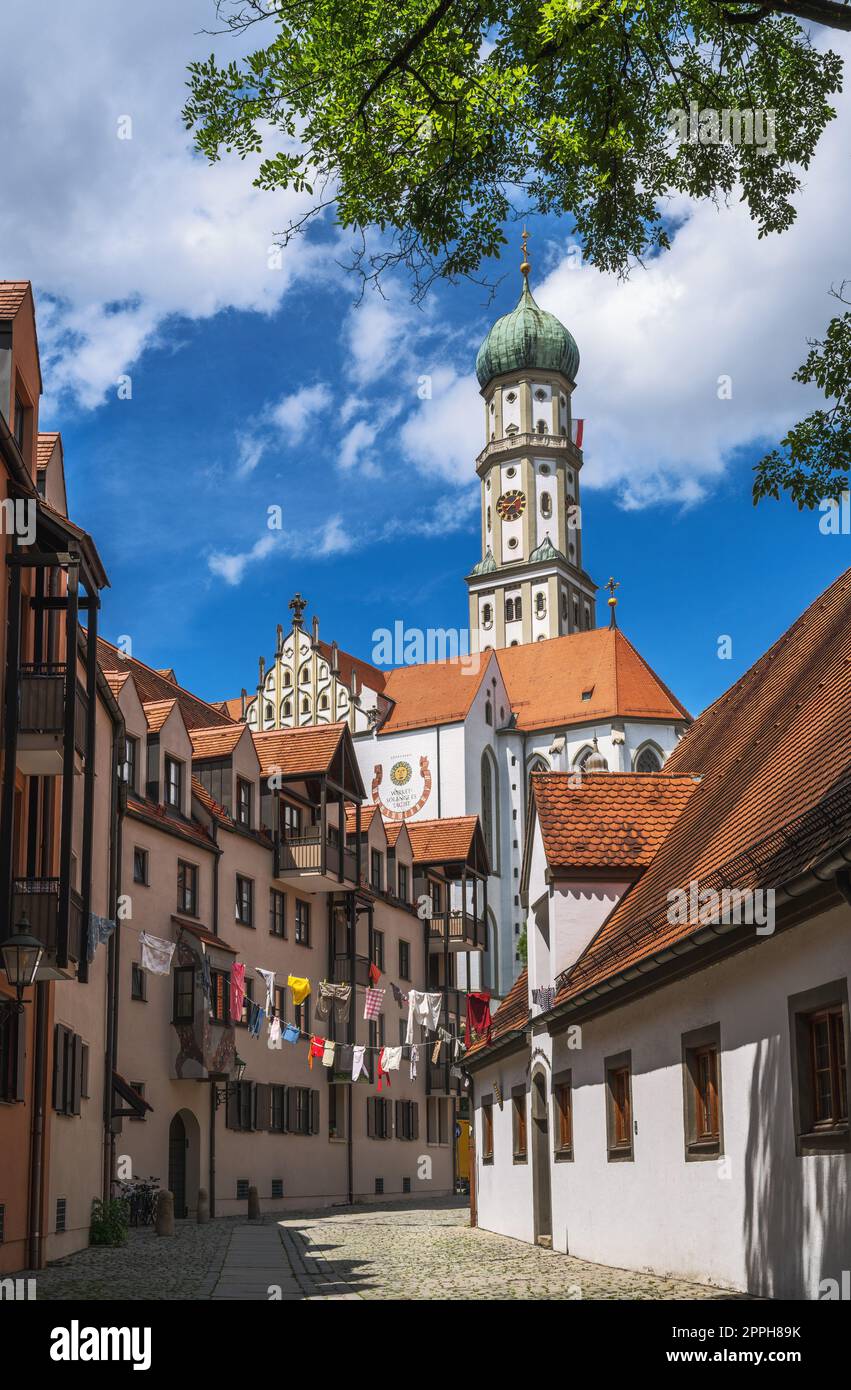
<point x="394" y="830"/>
<point x="607" y="820"/>
<point x="546" y="681"/>
<point x="153" y="686"/>
<point x="439" y="692"/>
<point x="511" y="1015"/>
<point x="774" y="754"/>
<point x="207" y="937"/>
<point x="216" y="741"/>
<point x="12" y="295"/>
<point x="157" y="712"/>
<point x="301" y="752"/>
<point x="442" y="841"/>
<point x="367" y="814"/>
<point x="368" y="675"/>
<point x="153" y="814"/>
<point x="45" y="444"/>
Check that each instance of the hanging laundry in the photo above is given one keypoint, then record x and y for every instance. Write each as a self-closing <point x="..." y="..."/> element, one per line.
<point x="316" y="1049"/>
<point x="156" y="954"/>
<point x="458" y="1050"/>
<point x="300" y="988"/>
<point x="274" y="1038"/>
<point x="374" y="974"/>
<point x="358" y="1064"/>
<point x="255" y="1018"/>
<point x="435" y="1051"/>
<point x="268" y="978"/>
<point x="382" y="1070"/>
<point x="392" y="1058"/>
<point x="337" y="995"/>
<point x="398" y="995"/>
<point x="415" y="1057"/>
<point x="444" y="1036"/>
<point x="344" y="1061"/>
<point x="423" y="1009"/>
<point x="478" y="1016"/>
<point x="100" y="930"/>
<point x="372" y="1003"/>
<point x="291" y="1033"/>
<point x="328" y="1054"/>
<point x="237" y="991"/>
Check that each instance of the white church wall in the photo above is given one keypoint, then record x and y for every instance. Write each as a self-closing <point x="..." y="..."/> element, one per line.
<point x="637" y="734"/>
<point x="759" y="1217"/>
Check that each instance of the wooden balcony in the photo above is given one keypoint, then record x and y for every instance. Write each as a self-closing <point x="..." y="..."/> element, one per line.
<point x="306" y="857"/>
<point x="466" y="932"/>
<point x="37" y="899"/>
<point x="41" y="718"/>
<point x="343" y="971"/>
<point x="440" y="1081"/>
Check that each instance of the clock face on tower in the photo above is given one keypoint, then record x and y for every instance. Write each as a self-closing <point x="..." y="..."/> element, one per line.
<point x="511" y="505"/>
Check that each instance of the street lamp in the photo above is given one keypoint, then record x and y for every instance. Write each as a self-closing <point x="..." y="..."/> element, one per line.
<point x="22" y="955"/>
<point x="222" y="1092"/>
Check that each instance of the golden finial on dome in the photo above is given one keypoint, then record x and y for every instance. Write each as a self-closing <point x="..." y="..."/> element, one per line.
<point x="612" y="601"/>
<point x="525" y="267"/>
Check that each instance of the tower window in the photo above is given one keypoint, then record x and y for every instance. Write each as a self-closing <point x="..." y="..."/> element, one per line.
<point x="511" y="397"/>
<point x="287" y="678"/>
<point x="540" y="395"/>
<point x="510" y="472"/>
<point x="305" y="706"/>
<point x="648" y="760"/>
<point x="488" y="712"/>
<point x="269" y="713"/>
<point x="487" y="615"/>
<point x="544" y="470"/>
<point x="489" y="518"/>
<point x="288" y="709"/>
<point x="513" y="610"/>
<point x="512" y="429"/>
<point x="546" y="504"/>
<point x="541" y="427"/>
<point x="540" y="605"/>
<point x="512" y="544"/>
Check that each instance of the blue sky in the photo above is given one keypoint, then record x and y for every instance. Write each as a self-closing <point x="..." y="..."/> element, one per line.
<point x="255" y="386"/>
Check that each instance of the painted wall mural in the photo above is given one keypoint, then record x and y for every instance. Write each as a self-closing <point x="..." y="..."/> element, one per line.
<point x="399" y="789"/>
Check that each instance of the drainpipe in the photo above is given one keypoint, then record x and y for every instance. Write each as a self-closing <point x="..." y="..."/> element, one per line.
<point x="38" y="1174"/>
<point x="212" y="1177"/>
<point x="113" y="957"/>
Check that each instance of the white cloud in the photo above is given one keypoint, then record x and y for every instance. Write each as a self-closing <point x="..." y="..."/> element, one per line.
<point x="250" y="449"/>
<point x="231" y="568"/>
<point x="295" y="413"/>
<point x="331" y="538"/>
<point x="357" y="440"/>
<point x="124" y="233"/>
<point x="444" y="434"/>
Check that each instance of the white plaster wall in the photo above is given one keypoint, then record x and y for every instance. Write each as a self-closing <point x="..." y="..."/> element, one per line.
<point x="504" y="1188"/>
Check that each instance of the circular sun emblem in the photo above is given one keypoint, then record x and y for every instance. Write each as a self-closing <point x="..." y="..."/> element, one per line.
<point x="400" y="773"/>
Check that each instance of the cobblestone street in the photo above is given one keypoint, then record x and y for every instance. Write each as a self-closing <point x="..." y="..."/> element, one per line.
<point x="386" y="1252"/>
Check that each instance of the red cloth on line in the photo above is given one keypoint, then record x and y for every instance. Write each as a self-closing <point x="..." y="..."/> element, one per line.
<point x="237" y="991"/>
<point x="374" y="974"/>
<point x="316" y="1049"/>
<point x="479" y="1020"/>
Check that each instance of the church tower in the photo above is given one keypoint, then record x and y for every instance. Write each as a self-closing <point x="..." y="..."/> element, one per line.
<point x="529" y="583"/>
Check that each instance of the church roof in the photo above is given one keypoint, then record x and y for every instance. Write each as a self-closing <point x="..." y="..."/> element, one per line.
<point x="527" y="337"/>
<point x="583" y="678"/>
<point x="774" y="800"/>
<point x="607" y="820"/>
<point x="438" y="692"/>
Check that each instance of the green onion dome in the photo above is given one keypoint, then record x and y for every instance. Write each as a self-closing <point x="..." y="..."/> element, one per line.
<point x="528" y="337"/>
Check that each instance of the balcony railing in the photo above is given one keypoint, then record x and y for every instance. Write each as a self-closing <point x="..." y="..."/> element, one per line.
<point x="302" y="854"/>
<point x="440" y="1080"/>
<point x="343" y="970"/>
<point x="42" y="698"/>
<point x="38" y="900"/>
<point x="528" y="440"/>
<point x="466" y="932"/>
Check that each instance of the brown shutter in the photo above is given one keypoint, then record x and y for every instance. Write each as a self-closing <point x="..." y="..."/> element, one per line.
<point x="76" y="1073"/>
<point x="415" y="1118"/>
<point x="84" y="1073"/>
<point x="232" y="1108"/>
<point x="292" y="1108"/>
<point x="399" y="1121"/>
<point x="285" y="1096"/>
<point x="263" y="1106"/>
<point x="370" y="1117"/>
<point x="314" y="1112"/>
<point x="59" y="1035"/>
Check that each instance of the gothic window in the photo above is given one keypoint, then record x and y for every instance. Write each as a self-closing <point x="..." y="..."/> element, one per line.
<point x="323" y="702"/>
<point x="287" y="678"/>
<point x="582" y="756"/>
<point x="540" y="605"/>
<point x="488" y="712"/>
<point x="270" y="712"/>
<point x="487" y="615"/>
<point x="538" y="764"/>
<point x="648" y="759"/>
<point x="288" y="709"/>
<point x="541" y="427"/>
<point x="546" y="504"/>
<point x="305" y="706"/>
<point x="305" y="675"/>
<point x="490" y="807"/>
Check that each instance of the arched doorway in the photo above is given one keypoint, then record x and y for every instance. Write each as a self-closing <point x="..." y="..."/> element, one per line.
<point x="184" y="1162"/>
<point x="541" y="1192"/>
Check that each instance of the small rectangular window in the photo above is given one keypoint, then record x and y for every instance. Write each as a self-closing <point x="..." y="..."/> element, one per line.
<point x="702" y="1094"/>
<point x="277" y="913"/>
<point x="302" y="922"/>
<point x="619" y="1107"/>
<point x="292" y="821"/>
<point x="244" y="799"/>
<point x="519" y="1127"/>
<point x="61" y="1214"/>
<point x="562" y="1117"/>
<point x="338" y="1112"/>
<point x="376" y="874"/>
<point x="131" y="762"/>
<point x="403" y="882"/>
<point x="378" y="949"/>
<point x="487" y="1129"/>
<point x="174" y="783"/>
<point x="277" y="1188"/>
<point x="187" y="888"/>
<point x="184" y="993"/>
<point x="404" y="960"/>
<point x="140" y="865"/>
<point x="137" y="982"/>
<point x="219" y="996"/>
<point x="279" y="1110"/>
<point x="244" y="901"/>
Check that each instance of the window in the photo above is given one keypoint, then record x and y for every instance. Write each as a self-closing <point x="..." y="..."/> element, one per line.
<point x="12" y="1058"/>
<point x="187" y="888"/>
<point x="619" y="1107"/>
<point x="247" y="1001"/>
<point x="487" y="1129"/>
<point x="131" y="762"/>
<point x="292" y="820"/>
<point x="819" y="1031"/>
<point x="184" y="994"/>
<point x="244" y="797"/>
<point x="702" y="1092"/>
<point x="404" y="960"/>
<point x="407" y="1119"/>
<point x="487" y="614"/>
<point x="437" y="1123"/>
<point x="302" y="922"/>
<point x="403" y="883"/>
<point x="279" y="1002"/>
<point x="562" y="1117"/>
<point x="278" y="1112"/>
<point x="490" y="807"/>
<point x="378" y="949"/>
<point x="540" y="605"/>
<point x="174" y="783"/>
<point x="377" y="1118"/>
<point x="376" y="1032"/>
<point x="546" y="504"/>
<point x="140" y="865"/>
<point x="376" y="869"/>
<point x="244" y="901"/>
<point x="137" y="982"/>
<point x="219" y="996"/>
<point x="648" y="759"/>
<point x="520" y="1138"/>
<point x="70" y="1070"/>
<point x="277" y="913"/>
<point x="302" y="1016"/>
<point x="337" y="1112"/>
<point x="488" y="712"/>
<point x="303" y="1110"/>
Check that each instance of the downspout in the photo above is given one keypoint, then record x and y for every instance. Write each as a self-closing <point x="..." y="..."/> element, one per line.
<point x="113" y="957"/>
<point x="211" y="1165"/>
<point x="37" y="1167"/>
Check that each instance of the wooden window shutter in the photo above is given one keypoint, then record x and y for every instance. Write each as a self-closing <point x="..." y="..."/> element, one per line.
<point x="263" y="1106"/>
<point x="399" y="1122"/>
<point x="84" y="1073"/>
<point x="314" y="1112"/>
<point x="20" y="1056"/>
<point x="292" y="1108"/>
<point x="232" y="1108"/>
<point x="370" y="1117"/>
<point x="253" y="1105"/>
<point x="415" y="1120"/>
<point x="59" y="1035"/>
<point x="76" y="1073"/>
<point x="285" y="1116"/>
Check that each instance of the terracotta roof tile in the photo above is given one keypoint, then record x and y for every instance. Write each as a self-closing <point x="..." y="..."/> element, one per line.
<point x="157" y="815"/>
<point x="153" y="686"/>
<point x="439" y="692"/>
<point x="12" y="295"/>
<point x="774" y="754"/>
<point x="45" y="444"/>
<point x="512" y="1014"/>
<point x="216" y="741"/>
<point x="157" y="712"/>
<point x="546" y="681"/>
<point x="115" y="680"/>
<point x="301" y="752"/>
<point x="367" y="815"/>
<point x="442" y="841"/>
<point x="393" y="829"/>
<point x="607" y="820"/>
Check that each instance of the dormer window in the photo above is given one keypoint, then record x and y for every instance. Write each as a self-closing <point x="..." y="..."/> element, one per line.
<point x="131" y="762"/>
<point x="174" y="783"/>
<point x="244" y="797"/>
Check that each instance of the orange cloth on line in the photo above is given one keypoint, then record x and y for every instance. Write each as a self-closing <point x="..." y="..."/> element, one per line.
<point x="316" y="1049"/>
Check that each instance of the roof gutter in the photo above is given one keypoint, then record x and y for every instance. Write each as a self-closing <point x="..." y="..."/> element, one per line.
<point x="835" y="867"/>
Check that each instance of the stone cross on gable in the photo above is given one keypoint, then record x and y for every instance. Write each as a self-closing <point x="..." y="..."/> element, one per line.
<point x="297" y="607"/>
